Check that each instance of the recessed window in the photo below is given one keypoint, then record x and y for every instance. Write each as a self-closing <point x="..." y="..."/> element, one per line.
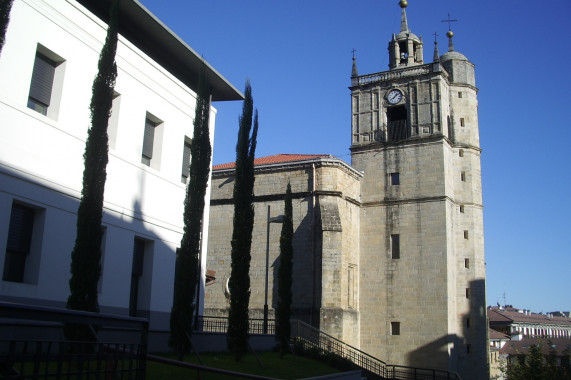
<point x="185" y="160"/>
<point x="461" y="152"/>
<point x="395" y="328"/>
<point x="152" y="139"/>
<point x="465" y="234"/>
<point x="463" y="176"/>
<point x="460" y="94"/>
<point x="467" y="263"/>
<point x="22" y="259"/>
<point x="467" y="292"/>
<point x="462" y="209"/>
<point x="461" y="121"/>
<point x="395" y="179"/>
<point x="46" y="83"/>
<point x="139" y="294"/>
<point x="113" y="124"/>
<point x="395" y="246"/>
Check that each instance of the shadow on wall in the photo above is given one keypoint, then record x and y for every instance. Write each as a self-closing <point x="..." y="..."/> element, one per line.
<point x="137" y="264"/>
<point x="466" y="354"/>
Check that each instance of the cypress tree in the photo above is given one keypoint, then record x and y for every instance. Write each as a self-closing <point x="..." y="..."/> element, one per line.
<point x="86" y="254"/>
<point x="239" y="282"/>
<point x="5" y="7"/>
<point x="186" y="276"/>
<point x="283" y="327"/>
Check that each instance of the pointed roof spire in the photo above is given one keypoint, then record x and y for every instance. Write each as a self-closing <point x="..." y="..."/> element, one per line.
<point x="354" y="71"/>
<point x="403" y="21"/>
<point x="436" y="56"/>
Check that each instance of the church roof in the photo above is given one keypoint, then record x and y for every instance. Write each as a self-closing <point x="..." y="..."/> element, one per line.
<point x="275" y="159"/>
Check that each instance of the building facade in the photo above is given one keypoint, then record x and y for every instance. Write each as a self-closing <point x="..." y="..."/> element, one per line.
<point x="389" y="251"/>
<point x="47" y="67"/>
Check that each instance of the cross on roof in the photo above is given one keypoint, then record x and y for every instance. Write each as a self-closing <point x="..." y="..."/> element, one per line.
<point x="449" y="21"/>
<point x="435" y="36"/>
<point x="353" y="51"/>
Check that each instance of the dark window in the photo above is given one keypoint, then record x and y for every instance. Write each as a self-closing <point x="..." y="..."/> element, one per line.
<point x="465" y="234"/>
<point x="463" y="176"/>
<point x="19" y="242"/>
<point x="42" y="83"/>
<point x="136" y="273"/>
<point x="395" y="246"/>
<point x="462" y="209"/>
<point x="395" y="179"/>
<point x="467" y="263"/>
<point x="461" y="152"/>
<point x="185" y="162"/>
<point x="460" y="94"/>
<point x="467" y="292"/>
<point x="397" y="123"/>
<point x="148" y="142"/>
<point x="461" y="121"/>
<point x="395" y="328"/>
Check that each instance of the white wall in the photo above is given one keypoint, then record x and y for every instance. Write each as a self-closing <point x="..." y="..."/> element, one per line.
<point x="41" y="157"/>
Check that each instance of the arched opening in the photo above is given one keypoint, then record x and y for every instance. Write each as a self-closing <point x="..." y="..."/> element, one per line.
<point x="397" y="126"/>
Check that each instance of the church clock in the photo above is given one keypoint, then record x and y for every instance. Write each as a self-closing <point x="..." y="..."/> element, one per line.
<point x="394" y="96"/>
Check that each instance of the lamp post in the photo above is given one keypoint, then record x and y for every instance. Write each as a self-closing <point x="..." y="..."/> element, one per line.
<point x="277" y="219"/>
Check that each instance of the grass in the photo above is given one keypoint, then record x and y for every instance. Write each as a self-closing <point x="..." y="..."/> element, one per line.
<point x="290" y="367"/>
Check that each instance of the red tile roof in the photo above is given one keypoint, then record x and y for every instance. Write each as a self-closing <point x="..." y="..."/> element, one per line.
<point x="275" y="159"/>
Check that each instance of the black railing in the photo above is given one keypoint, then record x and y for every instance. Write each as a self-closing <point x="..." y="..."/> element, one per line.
<point x="220" y="325"/>
<point x="33" y="344"/>
<point x="373" y="368"/>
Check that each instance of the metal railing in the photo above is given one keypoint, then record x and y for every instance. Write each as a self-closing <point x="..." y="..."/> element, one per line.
<point x="33" y="345"/>
<point x="220" y="325"/>
<point x="310" y="337"/>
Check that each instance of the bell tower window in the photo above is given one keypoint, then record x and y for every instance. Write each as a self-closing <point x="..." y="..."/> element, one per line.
<point x="397" y="123"/>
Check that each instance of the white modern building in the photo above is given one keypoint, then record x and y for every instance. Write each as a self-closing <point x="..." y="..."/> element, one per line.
<point x="47" y="67"/>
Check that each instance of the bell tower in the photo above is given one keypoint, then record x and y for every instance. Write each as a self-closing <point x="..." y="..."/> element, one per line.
<point x="415" y="137"/>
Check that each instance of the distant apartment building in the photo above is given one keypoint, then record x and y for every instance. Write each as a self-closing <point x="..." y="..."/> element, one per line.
<point x="47" y="67"/>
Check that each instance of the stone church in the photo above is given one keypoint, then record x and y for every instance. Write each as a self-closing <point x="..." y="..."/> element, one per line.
<point x="389" y="250"/>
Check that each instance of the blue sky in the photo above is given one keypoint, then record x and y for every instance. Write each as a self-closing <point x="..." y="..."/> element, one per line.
<point x="297" y="55"/>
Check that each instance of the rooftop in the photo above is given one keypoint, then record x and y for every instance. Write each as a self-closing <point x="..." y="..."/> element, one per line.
<point x="510" y="314"/>
<point x="276" y="159"/>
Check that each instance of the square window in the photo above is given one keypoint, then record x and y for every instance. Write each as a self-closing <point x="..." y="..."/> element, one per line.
<point x="46" y="83"/>
<point x="395" y="328"/>
<point x="460" y="94"/>
<point x="152" y="141"/>
<point x="463" y="176"/>
<point x="148" y="142"/>
<point x="395" y="246"/>
<point x="22" y="256"/>
<point x="465" y="234"/>
<point x="461" y="121"/>
<point x="467" y="263"/>
<point x="185" y="160"/>
<point x="462" y="209"/>
<point x="461" y="152"/>
<point x="395" y="179"/>
<point x="467" y="292"/>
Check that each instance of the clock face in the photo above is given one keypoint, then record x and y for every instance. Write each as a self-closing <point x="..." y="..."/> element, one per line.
<point x="394" y="96"/>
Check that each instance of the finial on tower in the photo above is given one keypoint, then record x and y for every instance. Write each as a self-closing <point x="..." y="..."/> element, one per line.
<point x="354" y="71"/>
<point x="436" y="56"/>
<point x="403" y="21"/>
<point x="449" y="33"/>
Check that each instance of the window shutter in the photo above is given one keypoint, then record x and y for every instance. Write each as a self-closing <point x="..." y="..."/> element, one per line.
<point x="148" y="139"/>
<point x="20" y="231"/>
<point x="138" y="255"/>
<point x="186" y="160"/>
<point x="42" y="80"/>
